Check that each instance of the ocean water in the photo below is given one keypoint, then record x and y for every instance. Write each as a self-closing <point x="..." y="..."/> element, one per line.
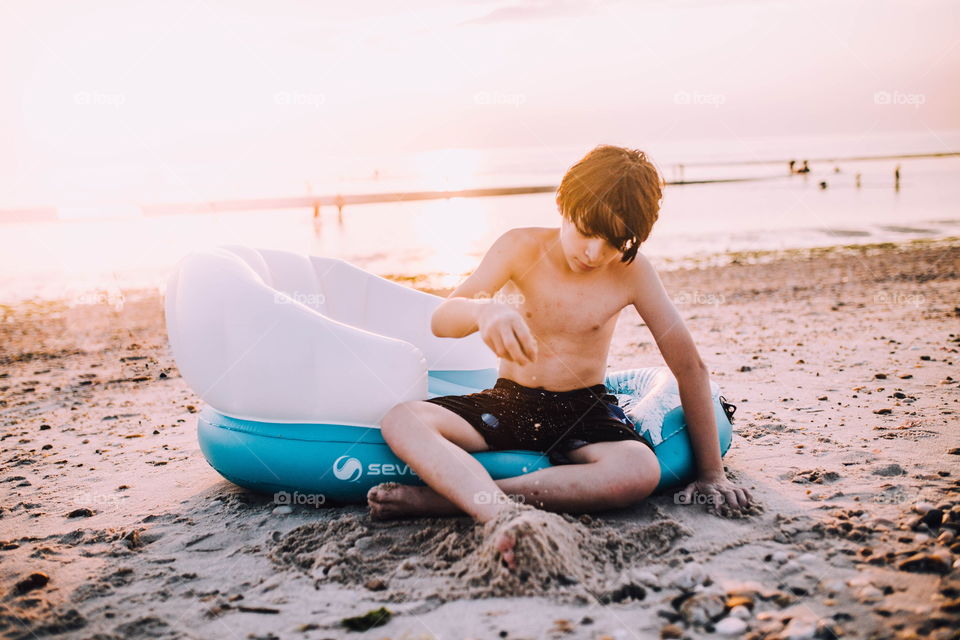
<point x="94" y="251"/>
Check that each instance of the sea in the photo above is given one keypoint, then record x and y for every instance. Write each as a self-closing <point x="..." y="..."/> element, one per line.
<point x="93" y="251"/>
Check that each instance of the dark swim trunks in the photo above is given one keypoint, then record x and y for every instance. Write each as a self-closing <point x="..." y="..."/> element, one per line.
<point x="512" y="416"/>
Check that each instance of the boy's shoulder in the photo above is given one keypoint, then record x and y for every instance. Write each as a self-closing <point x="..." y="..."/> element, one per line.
<point x="526" y="242"/>
<point x="525" y="235"/>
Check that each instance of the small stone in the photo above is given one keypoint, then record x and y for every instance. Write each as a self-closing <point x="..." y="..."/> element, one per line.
<point x="740" y="612"/>
<point x="731" y="626"/>
<point x="869" y="594"/>
<point x="791" y="567"/>
<point x="828" y="629"/>
<point x="645" y="578"/>
<point x="922" y="507"/>
<point x="283" y="510"/>
<point x="33" y="581"/>
<point x="933" y="518"/>
<point x="83" y="512"/>
<point x="375" y="584"/>
<point x="739" y="601"/>
<point x="671" y="631"/>
<point x="892" y="469"/>
<point x="780" y="557"/>
<point x="799" y="629"/>
<point x="701" y="608"/>
<point x="926" y="563"/>
<point x="687" y="577"/>
<point x="951" y="606"/>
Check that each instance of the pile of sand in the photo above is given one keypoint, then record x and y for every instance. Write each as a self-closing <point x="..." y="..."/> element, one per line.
<point x="555" y="554"/>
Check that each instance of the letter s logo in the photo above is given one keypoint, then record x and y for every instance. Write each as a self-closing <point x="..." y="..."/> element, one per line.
<point x="347" y="468"/>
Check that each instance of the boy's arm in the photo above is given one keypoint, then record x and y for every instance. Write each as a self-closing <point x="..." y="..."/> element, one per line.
<point x="471" y="307"/>
<point x="651" y="301"/>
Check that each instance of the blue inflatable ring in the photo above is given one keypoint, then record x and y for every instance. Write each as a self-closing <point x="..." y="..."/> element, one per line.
<point x="334" y="463"/>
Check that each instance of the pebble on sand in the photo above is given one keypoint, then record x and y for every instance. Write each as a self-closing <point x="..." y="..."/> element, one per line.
<point x="35" y="580"/>
<point x="731" y="627"/>
<point x="922" y="507"/>
<point x="927" y="563"/>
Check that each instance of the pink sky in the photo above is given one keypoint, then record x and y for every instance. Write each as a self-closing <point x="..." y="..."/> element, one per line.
<point x="151" y="92"/>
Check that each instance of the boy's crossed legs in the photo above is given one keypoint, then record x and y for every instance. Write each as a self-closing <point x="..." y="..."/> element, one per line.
<point x="436" y="442"/>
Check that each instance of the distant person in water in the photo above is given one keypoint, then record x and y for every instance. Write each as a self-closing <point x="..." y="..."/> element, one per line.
<point x="896" y="178"/>
<point x="546" y="301"/>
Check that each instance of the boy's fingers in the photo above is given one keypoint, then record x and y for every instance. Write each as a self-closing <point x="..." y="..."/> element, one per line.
<point x="522" y="356"/>
<point x="732" y="500"/>
<point x="495" y="345"/>
<point x="526" y="342"/>
<point x="742" y="498"/>
<point x="512" y="347"/>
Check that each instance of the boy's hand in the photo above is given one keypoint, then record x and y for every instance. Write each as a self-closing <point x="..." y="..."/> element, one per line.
<point x="504" y="330"/>
<point x="723" y="498"/>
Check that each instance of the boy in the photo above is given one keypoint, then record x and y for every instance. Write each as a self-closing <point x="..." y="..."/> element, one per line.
<point x="569" y="286"/>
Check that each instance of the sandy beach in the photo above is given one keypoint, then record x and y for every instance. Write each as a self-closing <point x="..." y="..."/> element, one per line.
<point x="842" y="363"/>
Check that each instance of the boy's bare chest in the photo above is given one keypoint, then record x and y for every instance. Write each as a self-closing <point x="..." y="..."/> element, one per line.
<point x="566" y="308"/>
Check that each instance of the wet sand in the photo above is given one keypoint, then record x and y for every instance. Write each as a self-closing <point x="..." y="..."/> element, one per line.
<point x="843" y="365"/>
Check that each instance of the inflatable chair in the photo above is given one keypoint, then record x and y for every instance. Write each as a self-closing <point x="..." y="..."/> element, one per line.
<point x="298" y="358"/>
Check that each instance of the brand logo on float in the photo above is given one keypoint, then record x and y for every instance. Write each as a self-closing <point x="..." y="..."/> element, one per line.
<point x="347" y="468"/>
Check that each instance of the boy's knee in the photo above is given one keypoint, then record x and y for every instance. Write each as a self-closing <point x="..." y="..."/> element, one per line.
<point x="637" y="474"/>
<point x="403" y="418"/>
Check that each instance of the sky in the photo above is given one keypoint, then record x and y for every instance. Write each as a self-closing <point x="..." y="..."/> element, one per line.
<point x="144" y="99"/>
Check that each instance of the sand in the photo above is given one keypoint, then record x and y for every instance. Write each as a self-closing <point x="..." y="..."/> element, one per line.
<point x="571" y="559"/>
<point x="843" y="365"/>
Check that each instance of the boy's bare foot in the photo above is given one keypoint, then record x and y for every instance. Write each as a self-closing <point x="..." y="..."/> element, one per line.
<point x="506" y="540"/>
<point x="393" y="500"/>
<point x="505" y="528"/>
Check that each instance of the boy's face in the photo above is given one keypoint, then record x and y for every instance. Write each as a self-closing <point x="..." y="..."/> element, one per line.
<point x="585" y="254"/>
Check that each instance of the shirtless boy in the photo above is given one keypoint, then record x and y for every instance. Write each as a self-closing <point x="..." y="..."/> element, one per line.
<point x="559" y="293"/>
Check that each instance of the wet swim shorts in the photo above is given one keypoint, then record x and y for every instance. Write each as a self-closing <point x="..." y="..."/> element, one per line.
<point x="512" y="416"/>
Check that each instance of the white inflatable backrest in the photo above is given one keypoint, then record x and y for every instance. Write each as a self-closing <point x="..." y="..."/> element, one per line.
<point x="353" y="296"/>
<point x="274" y="335"/>
<point x="252" y="355"/>
<point x="292" y="274"/>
